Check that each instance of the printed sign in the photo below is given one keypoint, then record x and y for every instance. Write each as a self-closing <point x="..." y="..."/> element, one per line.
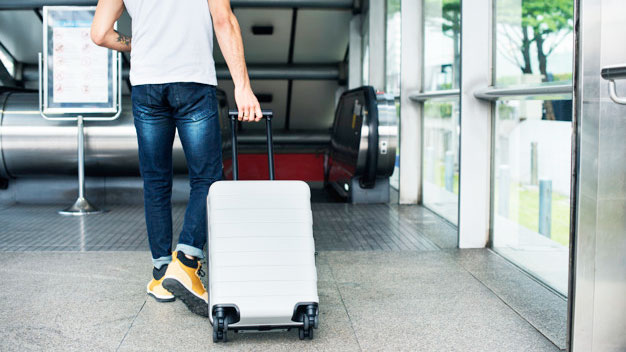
<point x="80" y="67"/>
<point x="79" y="76"/>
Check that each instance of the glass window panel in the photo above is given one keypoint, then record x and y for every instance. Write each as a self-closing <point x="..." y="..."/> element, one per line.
<point x="531" y="204"/>
<point x="392" y="70"/>
<point x="442" y="55"/>
<point x="365" y="53"/>
<point x="7" y="60"/>
<point x="533" y="41"/>
<point x="442" y="44"/>
<point x="441" y="158"/>
<point x="393" y="45"/>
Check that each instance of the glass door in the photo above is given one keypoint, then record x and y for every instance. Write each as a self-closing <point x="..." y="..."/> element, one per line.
<point x="532" y="135"/>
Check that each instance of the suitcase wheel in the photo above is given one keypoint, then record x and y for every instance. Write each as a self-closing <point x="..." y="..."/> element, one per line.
<point x="310" y="321"/>
<point x="220" y="326"/>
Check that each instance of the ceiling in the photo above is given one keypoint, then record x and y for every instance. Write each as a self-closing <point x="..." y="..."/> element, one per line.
<point x="319" y="37"/>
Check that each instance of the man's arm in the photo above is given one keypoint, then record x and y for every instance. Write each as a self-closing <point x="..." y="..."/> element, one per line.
<point x="102" y="32"/>
<point x="229" y="38"/>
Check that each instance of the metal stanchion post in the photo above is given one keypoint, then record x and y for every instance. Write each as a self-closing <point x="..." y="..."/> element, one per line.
<point x="61" y="109"/>
<point x="545" y="207"/>
<point x="82" y="205"/>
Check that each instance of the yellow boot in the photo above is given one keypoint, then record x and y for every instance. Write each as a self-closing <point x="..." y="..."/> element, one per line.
<point x="155" y="287"/>
<point x="182" y="279"/>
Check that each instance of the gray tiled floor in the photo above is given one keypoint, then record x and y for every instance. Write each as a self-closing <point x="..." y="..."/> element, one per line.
<point x="95" y="301"/>
<point x="336" y="226"/>
<point x="392" y="286"/>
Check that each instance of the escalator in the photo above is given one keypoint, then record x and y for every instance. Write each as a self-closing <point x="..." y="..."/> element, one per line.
<point x="354" y="159"/>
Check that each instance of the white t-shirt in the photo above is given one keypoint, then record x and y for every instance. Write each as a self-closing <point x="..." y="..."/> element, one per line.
<point x="172" y="41"/>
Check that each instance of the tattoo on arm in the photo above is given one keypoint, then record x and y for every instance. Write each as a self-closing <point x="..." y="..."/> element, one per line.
<point x="123" y="39"/>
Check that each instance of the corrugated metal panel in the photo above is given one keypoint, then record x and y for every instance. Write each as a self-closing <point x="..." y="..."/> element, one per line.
<point x="263" y="48"/>
<point x="321" y="36"/>
<point x="313" y="104"/>
<point x="21" y="34"/>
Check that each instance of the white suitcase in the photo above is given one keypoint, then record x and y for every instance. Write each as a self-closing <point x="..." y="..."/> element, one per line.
<point x="261" y="258"/>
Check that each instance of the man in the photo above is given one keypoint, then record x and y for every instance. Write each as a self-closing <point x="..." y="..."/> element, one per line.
<point x="173" y="77"/>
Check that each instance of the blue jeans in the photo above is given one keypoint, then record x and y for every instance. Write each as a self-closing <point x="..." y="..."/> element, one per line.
<point x="159" y="110"/>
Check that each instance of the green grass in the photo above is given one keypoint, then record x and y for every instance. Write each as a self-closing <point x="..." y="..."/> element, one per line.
<point x="524" y="206"/>
<point x="524" y="209"/>
<point x="440" y="177"/>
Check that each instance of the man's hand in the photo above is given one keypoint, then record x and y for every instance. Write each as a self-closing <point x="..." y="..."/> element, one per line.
<point x="247" y="104"/>
<point x="102" y="32"/>
<point x="228" y="36"/>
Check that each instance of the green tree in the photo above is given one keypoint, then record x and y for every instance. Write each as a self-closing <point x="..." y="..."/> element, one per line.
<point x="451" y="26"/>
<point x="543" y="23"/>
<point x="450" y="22"/>
<point x="548" y="20"/>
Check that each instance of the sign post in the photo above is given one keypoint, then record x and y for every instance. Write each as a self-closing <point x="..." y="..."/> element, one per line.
<point x="78" y="81"/>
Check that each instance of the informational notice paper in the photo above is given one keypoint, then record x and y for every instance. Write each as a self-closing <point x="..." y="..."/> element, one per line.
<point x="80" y="67"/>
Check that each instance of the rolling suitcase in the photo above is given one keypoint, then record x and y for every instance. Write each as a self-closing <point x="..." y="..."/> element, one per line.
<point x="261" y="258"/>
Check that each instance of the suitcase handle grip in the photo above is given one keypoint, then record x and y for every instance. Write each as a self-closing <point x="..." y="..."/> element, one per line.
<point x="267" y="114"/>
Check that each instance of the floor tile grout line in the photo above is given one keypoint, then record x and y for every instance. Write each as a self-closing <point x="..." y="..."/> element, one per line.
<point x="510" y="307"/>
<point x="131" y="324"/>
<point x="343" y="303"/>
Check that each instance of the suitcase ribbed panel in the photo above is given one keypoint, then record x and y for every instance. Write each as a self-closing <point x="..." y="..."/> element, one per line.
<point x="261" y="216"/>
<point x="261" y="258"/>
<point x="250" y="230"/>
<point x="239" y="202"/>
<point x="276" y="273"/>
<point x="261" y="249"/>
<point x="227" y="244"/>
<point x="276" y="289"/>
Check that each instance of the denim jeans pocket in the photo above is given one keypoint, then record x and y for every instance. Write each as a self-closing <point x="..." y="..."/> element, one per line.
<point x="196" y="101"/>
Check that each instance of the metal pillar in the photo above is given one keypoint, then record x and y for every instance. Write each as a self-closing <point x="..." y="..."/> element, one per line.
<point x="534" y="163"/>
<point x="82" y="205"/>
<point x="598" y="237"/>
<point x="255" y="71"/>
<point x="449" y="171"/>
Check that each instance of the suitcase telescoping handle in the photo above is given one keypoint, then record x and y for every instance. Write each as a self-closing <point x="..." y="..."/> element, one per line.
<point x="267" y="114"/>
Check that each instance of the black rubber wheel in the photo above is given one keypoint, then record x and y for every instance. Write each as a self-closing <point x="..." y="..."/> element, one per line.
<point x="225" y="331"/>
<point x="301" y="333"/>
<point x="306" y="322"/>
<point x="310" y="334"/>
<point x="317" y="321"/>
<point x="215" y="329"/>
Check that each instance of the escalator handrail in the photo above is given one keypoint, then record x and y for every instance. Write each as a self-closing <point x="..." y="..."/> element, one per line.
<point x="368" y="180"/>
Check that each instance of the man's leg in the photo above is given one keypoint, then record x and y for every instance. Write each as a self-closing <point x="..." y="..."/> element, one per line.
<point x="155" y="135"/>
<point x="199" y="131"/>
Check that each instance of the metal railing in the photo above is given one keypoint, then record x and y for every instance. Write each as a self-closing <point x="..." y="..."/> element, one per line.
<point x="546" y="92"/>
<point x="612" y="73"/>
<point x="440" y="94"/>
